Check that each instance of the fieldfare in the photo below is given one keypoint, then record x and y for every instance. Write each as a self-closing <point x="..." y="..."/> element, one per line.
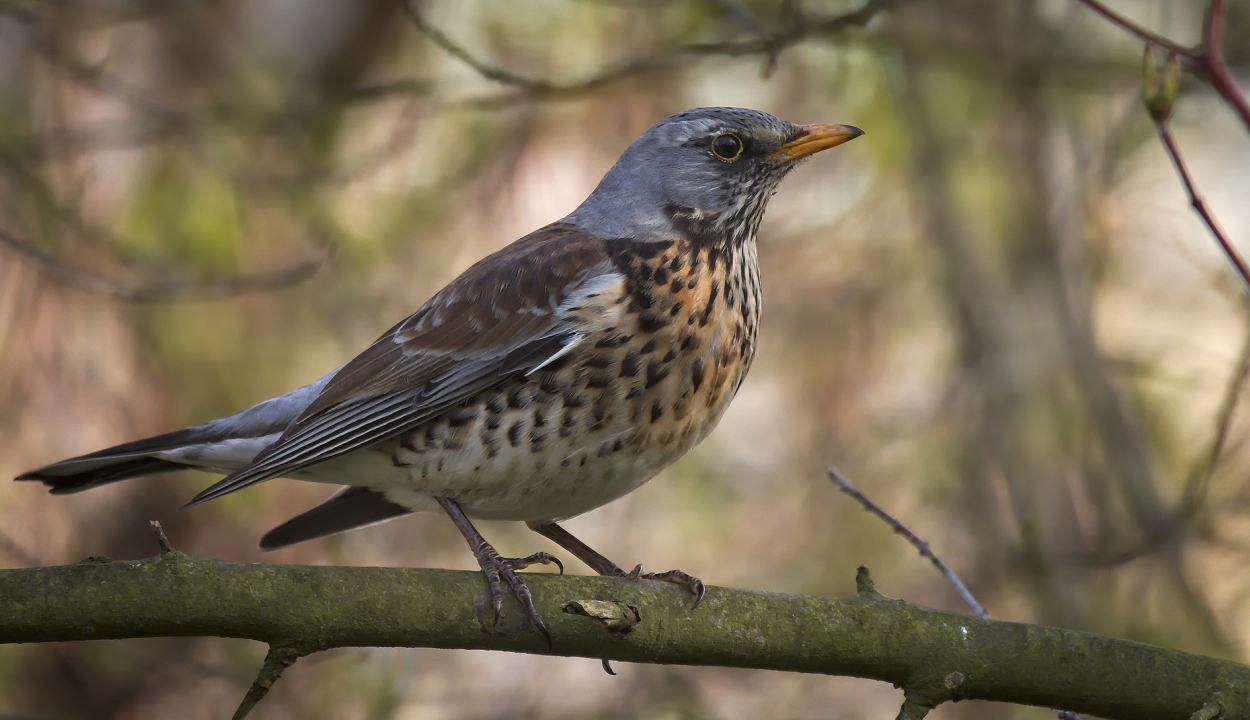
<point x="552" y="377"/>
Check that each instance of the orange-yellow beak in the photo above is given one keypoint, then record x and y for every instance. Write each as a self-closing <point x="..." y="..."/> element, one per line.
<point x="816" y="138"/>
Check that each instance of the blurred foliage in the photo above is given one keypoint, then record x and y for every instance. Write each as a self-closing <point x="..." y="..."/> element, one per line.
<point x="995" y="313"/>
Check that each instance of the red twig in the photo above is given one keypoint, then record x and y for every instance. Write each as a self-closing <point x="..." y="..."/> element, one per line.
<point x="1141" y="32"/>
<point x="1199" y="205"/>
<point x="1207" y="57"/>
<point x="1216" y="68"/>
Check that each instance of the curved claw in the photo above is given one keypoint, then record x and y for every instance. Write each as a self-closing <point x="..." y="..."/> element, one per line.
<point x="538" y="558"/>
<point x="677" y="577"/>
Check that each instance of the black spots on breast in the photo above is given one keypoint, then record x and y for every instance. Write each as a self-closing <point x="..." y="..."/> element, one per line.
<point x="648" y="347"/>
<point x="496" y="403"/>
<point x="657" y="411"/>
<point x="516" y="433"/>
<point x="519" y="397"/>
<point x="648" y="250"/>
<point x="613" y="341"/>
<point x="540" y="419"/>
<point x="660" y="277"/>
<point x="551" y="383"/>
<point x="609" y="447"/>
<point x="461" y="417"/>
<point x="677" y="263"/>
<point x="490" y="441"/>
<point x="676" y="308"/>
<point x="746" y="346"/>
<point x="656" y="372"/>
<point x="642" y="298"/>
<point x="669" y="356"/>
<point x="600" y="361"/>
<point x="676" y="286"/>
<point x="688" y="343"/>
<point x="538" y="436"/>
<point x="635" y="391"/>
<point x="635" y="412"/>
<point x="568" y="423"/>
<point x="574" y="398"/>
<point x="696" y="373"/>
<point x="711" y="305"/>
<point x="631" y="364"/>
<point x="599" y="379"/>
<point x="653" y="320"/>
<point x="433" y="434"/>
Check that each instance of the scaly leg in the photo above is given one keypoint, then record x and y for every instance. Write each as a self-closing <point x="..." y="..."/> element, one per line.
<point x="495" y="566"/>
<point x="604" y="566"/>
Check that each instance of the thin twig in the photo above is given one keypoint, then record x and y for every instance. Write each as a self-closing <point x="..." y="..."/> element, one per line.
<point x="162" y="540"/>
<point x="277" y="660"/>
<point x="225" y="286"/>
<point x="1200" y="205"/>
<point x="925" y="551"/>
<point x="1141" y="32"/>
<point x="845" y="486"/>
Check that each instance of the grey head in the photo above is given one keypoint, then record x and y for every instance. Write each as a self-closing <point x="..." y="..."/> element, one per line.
<point x="707" y="172"/>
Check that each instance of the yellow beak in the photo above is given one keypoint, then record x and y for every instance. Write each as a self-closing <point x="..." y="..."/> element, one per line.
<point x="816" y="138"/>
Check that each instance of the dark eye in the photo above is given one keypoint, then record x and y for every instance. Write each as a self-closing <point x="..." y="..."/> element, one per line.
<point x="727" y="146"/>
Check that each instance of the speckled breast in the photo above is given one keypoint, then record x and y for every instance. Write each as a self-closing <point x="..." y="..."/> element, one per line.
<point x="604" y="419"/>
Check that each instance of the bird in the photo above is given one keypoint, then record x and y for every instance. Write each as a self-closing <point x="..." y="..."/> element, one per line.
<point x="548" y="379"/>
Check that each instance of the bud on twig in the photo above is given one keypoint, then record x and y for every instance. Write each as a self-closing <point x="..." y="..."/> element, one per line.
<point x="1159" y="95"/>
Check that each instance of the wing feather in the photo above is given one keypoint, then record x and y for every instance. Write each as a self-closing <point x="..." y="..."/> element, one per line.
<point x="504" y="316"/>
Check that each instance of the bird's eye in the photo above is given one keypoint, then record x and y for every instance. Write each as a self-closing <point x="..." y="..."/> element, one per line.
<point x="727" y="146"/>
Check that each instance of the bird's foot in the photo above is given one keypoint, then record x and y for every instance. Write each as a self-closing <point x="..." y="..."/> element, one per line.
<point x="499" y="569"/>
<point x="677" y="577"/>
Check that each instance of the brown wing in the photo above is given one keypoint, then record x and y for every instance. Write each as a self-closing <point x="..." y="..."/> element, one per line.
<point x="505" y="315"/>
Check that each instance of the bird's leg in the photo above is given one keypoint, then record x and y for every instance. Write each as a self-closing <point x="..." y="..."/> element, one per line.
<point x="604" y="566"/>
<point x="495" y="567"/>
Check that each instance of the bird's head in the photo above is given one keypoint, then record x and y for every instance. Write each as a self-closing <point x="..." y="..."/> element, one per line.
<point x="708" y="171"/>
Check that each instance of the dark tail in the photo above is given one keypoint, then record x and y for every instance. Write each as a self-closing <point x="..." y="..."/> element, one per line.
<point x="120" y="462"/>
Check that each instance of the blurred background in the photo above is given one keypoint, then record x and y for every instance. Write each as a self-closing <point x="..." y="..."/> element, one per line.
<point x="995" y="313"/>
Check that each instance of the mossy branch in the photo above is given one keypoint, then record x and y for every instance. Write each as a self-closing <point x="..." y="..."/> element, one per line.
<point x="935" y="656"/>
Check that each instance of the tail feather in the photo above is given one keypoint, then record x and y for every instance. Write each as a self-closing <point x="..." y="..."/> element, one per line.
<point x="123" y="469"/>
<point x="348" y="509"/>
<point x="120" y="462"/>
<point x="221" y="445"/>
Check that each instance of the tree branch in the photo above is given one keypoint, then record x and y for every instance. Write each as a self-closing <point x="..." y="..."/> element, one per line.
<point x="796" y="29"/>
<point x="210" y="288"/>
<point x="306" y="609"/>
